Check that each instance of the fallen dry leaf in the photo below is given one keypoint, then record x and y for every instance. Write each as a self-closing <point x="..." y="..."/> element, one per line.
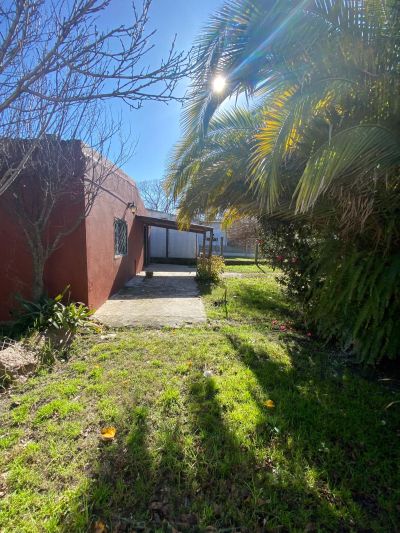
<point x="270" y="404"/>
<point x="108" y="433"/>
<point x="99" y="527"/>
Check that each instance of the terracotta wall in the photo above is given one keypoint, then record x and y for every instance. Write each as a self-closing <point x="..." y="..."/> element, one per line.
<point x="67" y="265"/>
<point x="107" y="273"/>
<point x="15" y="263"/>
<point x="84" y="259"/>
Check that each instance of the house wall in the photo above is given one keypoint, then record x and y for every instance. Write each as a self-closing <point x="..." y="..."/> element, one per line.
<point x="15" y="263"/>
<point x="158" y="242"/>
<point x="85" y="258"/>
<point x="182" y="244"/>
<point x="106" y="272"/>
<point x="67" y="265"/>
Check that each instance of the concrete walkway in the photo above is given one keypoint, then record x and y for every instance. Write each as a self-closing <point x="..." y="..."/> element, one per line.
<point x="170" y="298"/>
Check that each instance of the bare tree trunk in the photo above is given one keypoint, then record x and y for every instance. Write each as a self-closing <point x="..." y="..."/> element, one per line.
<point x="39" y="258"/>
<point x="37" y="281"/>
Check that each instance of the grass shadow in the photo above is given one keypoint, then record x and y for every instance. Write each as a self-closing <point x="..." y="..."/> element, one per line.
<point x="241" y="487"/>
<point x="198" y="444"/>
<point x="123" y="482"/>
<point x="323" y="428"/>
<point x="135" y="489"/>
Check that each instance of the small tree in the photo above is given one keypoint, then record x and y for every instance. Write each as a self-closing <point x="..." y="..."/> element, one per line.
<point x="243" y="233"/>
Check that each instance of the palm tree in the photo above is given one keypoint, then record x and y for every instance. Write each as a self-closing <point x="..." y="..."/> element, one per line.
<point x="322" y="142"/>
<point x="327" y="73"/>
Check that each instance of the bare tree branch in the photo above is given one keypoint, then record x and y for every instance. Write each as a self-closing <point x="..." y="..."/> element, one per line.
<point x="59" y="54"/>
<point x="155" y="197"/>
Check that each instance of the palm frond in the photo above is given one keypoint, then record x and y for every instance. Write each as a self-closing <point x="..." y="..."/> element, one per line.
<point x="363" y="150"/>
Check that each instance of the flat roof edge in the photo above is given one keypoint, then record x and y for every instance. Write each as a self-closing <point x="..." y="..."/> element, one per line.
<point x="172" y="224"/>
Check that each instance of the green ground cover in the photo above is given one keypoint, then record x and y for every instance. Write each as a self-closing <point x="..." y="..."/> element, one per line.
<point x="250" y="268"/>
<point x="278" y="436"/>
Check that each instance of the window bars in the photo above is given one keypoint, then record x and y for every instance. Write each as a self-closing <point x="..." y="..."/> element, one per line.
<point x="120" y="237"/>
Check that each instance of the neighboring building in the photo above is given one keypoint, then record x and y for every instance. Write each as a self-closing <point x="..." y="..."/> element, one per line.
<point x="98" y="257"/>
<point x="172" y="244"/>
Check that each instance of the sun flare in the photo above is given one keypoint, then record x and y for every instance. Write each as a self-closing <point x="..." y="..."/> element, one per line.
<point x="219" y="84"/>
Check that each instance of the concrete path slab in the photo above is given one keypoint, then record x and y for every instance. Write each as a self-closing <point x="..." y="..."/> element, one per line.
<point x="170" y="298"/>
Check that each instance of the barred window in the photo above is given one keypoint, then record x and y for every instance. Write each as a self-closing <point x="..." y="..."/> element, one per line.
<point x="120" y="237"/>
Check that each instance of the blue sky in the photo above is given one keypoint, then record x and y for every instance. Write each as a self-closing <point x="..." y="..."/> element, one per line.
<point x="155" y="127"/>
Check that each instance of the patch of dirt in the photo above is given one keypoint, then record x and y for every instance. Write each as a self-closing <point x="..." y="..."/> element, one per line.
<point x="16" y="360"/>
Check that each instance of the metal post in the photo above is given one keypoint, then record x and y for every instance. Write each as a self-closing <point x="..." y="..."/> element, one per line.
<point x="211" y="243"/>
<point x="222" y="247"/>
<point x="204" y="244"/>
<point x="256" y="254"/>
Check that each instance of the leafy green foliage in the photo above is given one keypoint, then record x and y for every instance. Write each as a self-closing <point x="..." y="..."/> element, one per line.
<point x="52" y="313"/>
<point x="359" y="301"/>
<point x="345" y="292"/>
<point x="318" y="154"/>
<point x="292" y="248"/>
<point x="209" y="269"/>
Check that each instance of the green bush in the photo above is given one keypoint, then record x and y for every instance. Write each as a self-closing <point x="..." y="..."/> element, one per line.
<point x="358" y="301"/>
<point x="52" y="314"/>
<point x="349" y="291"/>
<point x="209" y="269"/>
<point x="293" y="249"/>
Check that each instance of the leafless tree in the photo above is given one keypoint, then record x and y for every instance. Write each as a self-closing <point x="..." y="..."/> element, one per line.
<point x="58" y="173"/>
<point x="243" y="233"/>
<point x="155" y="197"/>
<point x="58" y="53"/>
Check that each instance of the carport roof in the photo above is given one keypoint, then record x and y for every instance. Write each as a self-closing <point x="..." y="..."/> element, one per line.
<point x="172" y="224"/>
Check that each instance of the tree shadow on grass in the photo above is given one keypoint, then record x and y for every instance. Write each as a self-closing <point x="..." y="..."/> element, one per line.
<point x="123" y="484"/>
<point x="327" y="425"/>
<point x="262" y="299"/>
<point x="302" y="467"/>
<point x="248" y="301"/>
<point x="239" y="490"/>
<point x="134" y="489"/>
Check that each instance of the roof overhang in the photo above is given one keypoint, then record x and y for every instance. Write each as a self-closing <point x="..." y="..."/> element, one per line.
<point x="172" y="224"/>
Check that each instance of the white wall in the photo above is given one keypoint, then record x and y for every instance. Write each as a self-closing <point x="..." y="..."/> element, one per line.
<point x="181" y="244"/>
<point x="157" y="242"/>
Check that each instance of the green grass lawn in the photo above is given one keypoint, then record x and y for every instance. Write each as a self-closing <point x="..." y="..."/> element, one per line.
<point x="193" y="452"/>
<point x="239" y="259"/>
<point x="251" y="267"/>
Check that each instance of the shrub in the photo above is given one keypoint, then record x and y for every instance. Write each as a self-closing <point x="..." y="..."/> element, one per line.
<point x="209" y="269"/>
<point x="52" y="314"/>
<point x="293" y="249"/>
<point x="349" y="291"/>
<point x="359" y="301"/>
